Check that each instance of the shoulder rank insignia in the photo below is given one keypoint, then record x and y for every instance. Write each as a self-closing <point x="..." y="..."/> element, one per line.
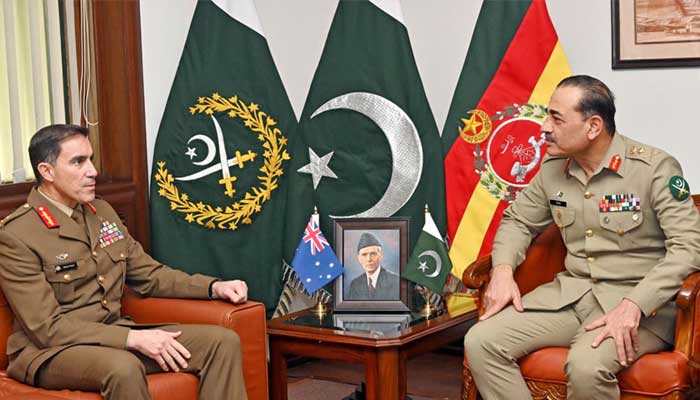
<point x="615" y="163"/>
<point x="47" y="218"/>
<point x="679" y="187"/>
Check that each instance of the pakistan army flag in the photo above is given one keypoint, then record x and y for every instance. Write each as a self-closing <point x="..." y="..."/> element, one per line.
<point x="367" y="144"/>
<point x="220" y="160"/>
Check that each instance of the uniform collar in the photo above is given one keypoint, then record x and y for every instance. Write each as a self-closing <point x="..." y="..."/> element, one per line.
<point x="614" y="161"/>
<point x="67" y="227"/>
<point x="61" y="207"/>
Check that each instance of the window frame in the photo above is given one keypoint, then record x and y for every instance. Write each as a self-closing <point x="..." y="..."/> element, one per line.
<point x="122" y="145"/>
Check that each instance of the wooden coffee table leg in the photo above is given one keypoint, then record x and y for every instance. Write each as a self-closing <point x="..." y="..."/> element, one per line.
<point x="278" y="371"/>
<point x="382" y="372"/>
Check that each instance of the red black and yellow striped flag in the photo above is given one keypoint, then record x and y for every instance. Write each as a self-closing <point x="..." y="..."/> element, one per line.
<point x="492" y="139"/>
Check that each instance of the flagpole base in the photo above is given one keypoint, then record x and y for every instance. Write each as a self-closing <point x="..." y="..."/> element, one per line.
<point x="320" y="309"/>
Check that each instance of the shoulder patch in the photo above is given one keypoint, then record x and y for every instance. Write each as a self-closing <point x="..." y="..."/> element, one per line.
<point x="21" y="210"/>
<point x="679" y="187"/>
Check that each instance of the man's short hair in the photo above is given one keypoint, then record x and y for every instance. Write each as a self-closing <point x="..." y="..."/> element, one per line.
<point x="596" y="99"/>
<point x="45" y="145"/>
<point x="368" y="239"/>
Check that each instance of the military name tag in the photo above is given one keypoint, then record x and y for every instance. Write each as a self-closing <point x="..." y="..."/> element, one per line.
<point x="66" y="267"/>
<point x="109" y="233"/>
<point x="619" y="202"/>
<point x="560" y="203"/>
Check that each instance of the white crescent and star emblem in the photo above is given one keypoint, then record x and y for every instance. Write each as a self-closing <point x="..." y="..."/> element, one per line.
<point x="224" y="162"/>
<point x="424" y="265"/>
<point x="404" y="142"/>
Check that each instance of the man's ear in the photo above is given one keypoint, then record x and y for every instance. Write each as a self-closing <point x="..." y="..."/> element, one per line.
<point x="595" y="127"/>
<point x="47" y="171"/>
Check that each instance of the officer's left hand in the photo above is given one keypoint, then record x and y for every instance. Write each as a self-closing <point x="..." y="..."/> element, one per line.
<point x="233" y="291"/>
<point x="621" y="324"/>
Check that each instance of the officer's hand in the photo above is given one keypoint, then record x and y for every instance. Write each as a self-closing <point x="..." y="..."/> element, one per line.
<point x="502" y="290"/>
<point x="233" y="291"/>
<point x="621" y="324"/>
<point x="160" y="346"/>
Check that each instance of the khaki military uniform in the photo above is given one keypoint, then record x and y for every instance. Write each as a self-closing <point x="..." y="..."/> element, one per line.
<point x="64" y="280"/>
<point x="641" y="250"/>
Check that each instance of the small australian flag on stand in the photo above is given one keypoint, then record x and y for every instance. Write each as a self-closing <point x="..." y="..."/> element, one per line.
<point x="315" y="262"/>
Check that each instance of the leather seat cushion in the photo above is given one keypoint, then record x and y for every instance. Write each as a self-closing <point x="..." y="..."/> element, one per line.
<point x="652" y="374"/>
<point x="163" y="386"/>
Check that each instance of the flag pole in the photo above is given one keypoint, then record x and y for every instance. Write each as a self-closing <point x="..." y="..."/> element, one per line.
<point x="320" y="309"/>
<point x="428" y="309"/>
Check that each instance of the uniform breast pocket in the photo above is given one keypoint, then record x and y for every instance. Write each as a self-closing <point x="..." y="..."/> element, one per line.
<point x="625" y="227"/>
<point x="65" y="282"/>
<point x="116" y="270"/>
<point x="564" y="218"/>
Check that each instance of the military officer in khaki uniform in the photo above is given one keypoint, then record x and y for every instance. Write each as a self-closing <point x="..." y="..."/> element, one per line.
<point x="632" y="234"/>
<point x="64" y="260"/>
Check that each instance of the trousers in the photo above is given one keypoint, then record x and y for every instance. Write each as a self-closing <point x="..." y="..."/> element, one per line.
<point x="121" y="374"/>
<point x="493" y="347"/>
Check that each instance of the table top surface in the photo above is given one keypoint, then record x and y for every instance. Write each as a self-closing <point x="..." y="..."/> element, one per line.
<point x="369" y="329"/>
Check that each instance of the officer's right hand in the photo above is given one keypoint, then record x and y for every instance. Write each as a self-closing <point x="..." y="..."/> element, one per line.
<point x="161" y="346"/>
<point x="502" y="290"/>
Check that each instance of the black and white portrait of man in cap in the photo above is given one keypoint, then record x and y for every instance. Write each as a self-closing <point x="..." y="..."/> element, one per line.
<point x="376" y="282"/>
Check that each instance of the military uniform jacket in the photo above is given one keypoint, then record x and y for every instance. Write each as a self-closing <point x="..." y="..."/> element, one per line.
<point x="386" y="288"/>
<point x="64" y="283"/>
<point x="641" y="252"/>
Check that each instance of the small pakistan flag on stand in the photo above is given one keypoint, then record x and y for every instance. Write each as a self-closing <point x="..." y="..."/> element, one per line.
<point x="429" y="264"/>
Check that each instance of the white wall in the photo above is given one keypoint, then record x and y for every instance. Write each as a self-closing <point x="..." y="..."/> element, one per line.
<point x="657" y="106"/>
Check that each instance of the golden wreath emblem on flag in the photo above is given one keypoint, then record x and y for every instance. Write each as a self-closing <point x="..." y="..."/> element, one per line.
<point x="514" y="149"/>
<point x="240" y="212"/>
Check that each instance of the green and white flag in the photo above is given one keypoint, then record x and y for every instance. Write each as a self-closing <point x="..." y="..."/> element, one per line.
<point x="220" y="163"/>
<point x="367" y="144"/>
<point x="429" y="264"/>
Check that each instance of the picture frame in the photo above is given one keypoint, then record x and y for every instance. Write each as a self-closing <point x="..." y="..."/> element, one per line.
<point x="372" y="324"/>
<point x="655" y="34"/>
<point x="352" y="290"/>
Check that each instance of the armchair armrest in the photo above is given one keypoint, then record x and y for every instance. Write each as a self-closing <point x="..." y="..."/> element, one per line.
<point x="687" y="338"/>
<point x="247" y="320"/>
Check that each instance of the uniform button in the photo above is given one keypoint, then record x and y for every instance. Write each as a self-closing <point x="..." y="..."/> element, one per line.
<point x="589" y="232"/>
<point x="620" y="231"/>
<point x="66" y="277"/>
<point x="558" y="214"/>
<point x="101" y="278"/>
<point x="94" y="253"/>
<point x="26" y="206"/>
<point x="653" y="314"/>
<point x="588" y="195"/>
<point x="121" y="255"/>
<point x="590" y="259"/>
<point x="104" y="302"/>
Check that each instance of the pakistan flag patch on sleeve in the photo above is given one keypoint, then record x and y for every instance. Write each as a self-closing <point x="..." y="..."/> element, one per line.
<point x="679" y="187"/>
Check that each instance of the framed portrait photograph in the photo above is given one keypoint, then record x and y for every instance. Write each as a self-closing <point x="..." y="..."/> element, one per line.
<point x="373" y="251"/>
<point x="373" y="324"/>
<point x="655" y="33"/>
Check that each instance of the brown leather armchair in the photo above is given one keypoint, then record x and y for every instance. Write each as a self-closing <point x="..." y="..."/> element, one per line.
<point x="247" y="319"/>
<point x="663" y="375"/>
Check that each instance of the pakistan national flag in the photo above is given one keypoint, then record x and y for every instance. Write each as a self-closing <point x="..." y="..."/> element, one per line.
<point x="368" y="145"/>
<point x="429" y="264"/>
<point x="220" y="160"/>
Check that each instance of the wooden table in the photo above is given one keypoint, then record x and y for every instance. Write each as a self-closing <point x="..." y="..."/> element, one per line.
<point x="384" y="356"/>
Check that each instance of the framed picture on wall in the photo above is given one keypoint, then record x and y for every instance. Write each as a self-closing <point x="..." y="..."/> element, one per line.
<point x="373" y="251"/>
<point x="655" y="33"/>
